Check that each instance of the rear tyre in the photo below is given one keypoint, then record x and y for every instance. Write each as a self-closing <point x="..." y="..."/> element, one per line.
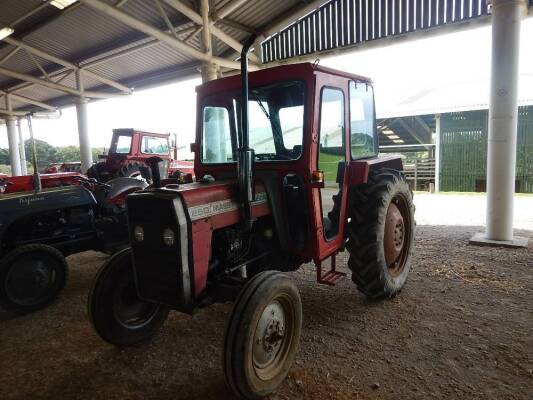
<point x="262" y="335"/>
<point x="380" y="233"/>
<point x="95" y="171"/>
<point x="31" y="277"/>
<point x="135" y="170"/>
<point x="117" y="314"/>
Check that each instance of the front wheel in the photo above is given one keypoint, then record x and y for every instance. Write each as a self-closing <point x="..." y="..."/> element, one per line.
<point x="31" y="276"/>
<point x="116" y="312"/>
<point x="381" y="233"/>
<point x="262" y="335"/>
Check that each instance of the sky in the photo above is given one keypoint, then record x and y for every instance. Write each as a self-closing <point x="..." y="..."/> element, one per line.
<point x="429" y="74"/>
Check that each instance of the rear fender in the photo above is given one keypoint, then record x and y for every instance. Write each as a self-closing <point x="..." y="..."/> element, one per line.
<point x="359" y="170"/>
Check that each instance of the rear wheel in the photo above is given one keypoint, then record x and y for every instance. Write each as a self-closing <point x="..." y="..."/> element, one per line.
<point x="262" y="335"/>
<point x="31" y="276"/>
<point x="95" y="170"/>
<point x="134" y="170"/>
<point x="381" y="233"/>
<point x="117" y="314"/>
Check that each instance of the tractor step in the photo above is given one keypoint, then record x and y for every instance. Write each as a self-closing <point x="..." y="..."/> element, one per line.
<point x="329" y="277"/>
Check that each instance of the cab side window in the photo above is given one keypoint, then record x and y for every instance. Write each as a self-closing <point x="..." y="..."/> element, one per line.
<point x="363" y="140"/>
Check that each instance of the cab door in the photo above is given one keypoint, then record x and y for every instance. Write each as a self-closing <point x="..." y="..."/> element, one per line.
<point x="329" y="188"/>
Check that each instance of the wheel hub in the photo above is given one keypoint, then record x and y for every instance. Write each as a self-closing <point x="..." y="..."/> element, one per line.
<point x="394" y="235"/>
<point x="28" y="281"/>
<point x="269" y="335"/>
<point x="129" y="310"/>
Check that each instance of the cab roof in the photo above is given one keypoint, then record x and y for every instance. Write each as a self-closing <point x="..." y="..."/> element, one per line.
<point x="303" y="71"/>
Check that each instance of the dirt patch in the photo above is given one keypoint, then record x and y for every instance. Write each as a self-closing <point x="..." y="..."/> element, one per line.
<point x="462" y="328"/>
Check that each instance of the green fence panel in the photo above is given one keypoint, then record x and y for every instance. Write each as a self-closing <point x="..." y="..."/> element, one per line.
<point x="464" y="150"/>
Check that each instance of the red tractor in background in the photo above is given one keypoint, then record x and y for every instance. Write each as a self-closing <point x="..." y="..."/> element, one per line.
<point x="287" y="173"/>
<point x="25" y="183"/>
<point x="129" y="152"/>
<point x="68" y="166"/>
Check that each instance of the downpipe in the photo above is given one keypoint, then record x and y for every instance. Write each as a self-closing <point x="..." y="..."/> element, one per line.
<point x="245" y="155"/>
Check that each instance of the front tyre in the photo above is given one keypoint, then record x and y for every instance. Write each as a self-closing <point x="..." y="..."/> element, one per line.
<point x="262" y="335"/>
<point x="117" y="314"/>
<point x="31" y="276"/>
<point x="381" y="233"/>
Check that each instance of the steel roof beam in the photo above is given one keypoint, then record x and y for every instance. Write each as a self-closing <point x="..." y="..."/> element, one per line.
<point x="133" y="47"/>
<point x="236" y="25"/>
<point x="416" y="135"/>
<point x="67" y="64"/>
<point x="197" y="18"/>
<point x="29" y="101"/>
<point x="158" y="34"/>
<point x="56" y="86"/>
<point x="226" y="9"/>
<point x="30" y="13"/>
<point x="4" y="111"/>
<point x="9" y="55"/>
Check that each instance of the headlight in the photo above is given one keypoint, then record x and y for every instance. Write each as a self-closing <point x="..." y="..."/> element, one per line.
<point x="138" y="233"/>
<point x="168" y="237"/>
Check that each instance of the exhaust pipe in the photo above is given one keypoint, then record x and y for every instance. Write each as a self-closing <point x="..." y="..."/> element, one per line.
<point x="155" y="169"/>
<point x="245" y="155"/>
<point x="37" y="186"/>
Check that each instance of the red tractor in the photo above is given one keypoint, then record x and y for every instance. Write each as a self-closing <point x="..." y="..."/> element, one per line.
<point x="25" y="183"/>
<point x="129" y="153"/>
<point x="287" y="173"/>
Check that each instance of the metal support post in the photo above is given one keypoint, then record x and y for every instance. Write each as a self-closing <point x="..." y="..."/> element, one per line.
<point x="14" y="156"/>
<point x="22" y="151"/>
<point x="83" y="127"/>
<point x="209" y="69"/>
<point x="437" y="153"/>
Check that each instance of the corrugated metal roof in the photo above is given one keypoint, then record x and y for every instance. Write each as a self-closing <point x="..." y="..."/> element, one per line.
<point x="81" y="35"/>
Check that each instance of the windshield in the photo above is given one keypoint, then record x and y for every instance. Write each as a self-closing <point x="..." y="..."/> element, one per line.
<point x="154" y="145"/>
<point x="121" y="144"/>
<point x="276" y="120"/>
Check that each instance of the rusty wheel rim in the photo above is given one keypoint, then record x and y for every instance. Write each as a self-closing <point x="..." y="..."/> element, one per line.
<point x="397" y="235"/>
<point x="273" y="338"/>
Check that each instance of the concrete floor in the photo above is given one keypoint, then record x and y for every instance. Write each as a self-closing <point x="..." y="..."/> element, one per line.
<point x="458" y="209"/>
<point x="467" y="210"/>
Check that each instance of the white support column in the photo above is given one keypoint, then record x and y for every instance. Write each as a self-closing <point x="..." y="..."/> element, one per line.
<point x="437" y="153"/>
<point x="503" y="121"/>
<point x="14" y="156"/>
<point x="22" y="152"/>
<point x="83" y="127"/>
<point x="209" y="69"/>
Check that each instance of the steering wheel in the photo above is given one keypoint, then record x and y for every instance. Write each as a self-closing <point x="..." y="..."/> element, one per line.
<point x="92" y="182"/>
<point x="283" y="157"/>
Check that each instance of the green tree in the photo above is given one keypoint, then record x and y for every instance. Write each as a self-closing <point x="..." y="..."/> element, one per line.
<point x="4" y="156"/>
<point x="96" y="152"/>
<point x="45" y="152"/>
<point x="68" y="153"/>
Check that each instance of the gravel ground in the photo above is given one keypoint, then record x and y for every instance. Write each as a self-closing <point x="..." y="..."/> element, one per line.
<point x="461" y="328"/>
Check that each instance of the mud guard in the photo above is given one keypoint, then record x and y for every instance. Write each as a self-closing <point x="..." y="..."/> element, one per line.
<point x="358" y="170"/>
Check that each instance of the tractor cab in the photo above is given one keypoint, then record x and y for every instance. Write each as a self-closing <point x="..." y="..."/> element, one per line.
<point x="311" y="130"/>
<point x="129" y="154"/>
<point x="133" y="143"/>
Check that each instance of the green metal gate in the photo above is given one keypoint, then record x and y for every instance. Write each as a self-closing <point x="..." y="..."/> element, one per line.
<point x="464" y="151"/>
